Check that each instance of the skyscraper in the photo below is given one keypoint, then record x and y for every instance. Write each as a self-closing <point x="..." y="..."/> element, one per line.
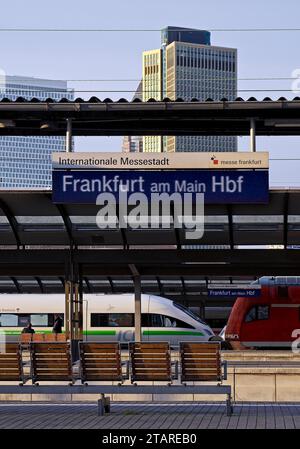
<point x="134" y="144"/>
<point x="187" y="66"/>
<point x="25" y="161"/>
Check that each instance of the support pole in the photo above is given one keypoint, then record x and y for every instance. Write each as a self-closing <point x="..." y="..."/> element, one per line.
<point x="67" y="309"/>
<point x="137" y="308"/>
<point x="69" y="148"/>
<point x="252" y="135"/>
<point x="137" y="303"/>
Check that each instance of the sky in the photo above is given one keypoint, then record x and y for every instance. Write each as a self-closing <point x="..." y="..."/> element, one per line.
<point x="117" y="55"/>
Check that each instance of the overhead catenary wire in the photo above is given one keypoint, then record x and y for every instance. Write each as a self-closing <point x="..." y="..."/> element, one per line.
<point x="142" y="30"/>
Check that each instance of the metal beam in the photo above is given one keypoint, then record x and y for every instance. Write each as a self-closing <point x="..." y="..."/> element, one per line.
<point x="40" y="284"/>
<point x="237" y="262"/>
<point x="152" y="118"/>
<point x="16" y="283"/>
<point x="111" y="284"/>
<point x="67" y="222"/>
<point x="11" y="220"/>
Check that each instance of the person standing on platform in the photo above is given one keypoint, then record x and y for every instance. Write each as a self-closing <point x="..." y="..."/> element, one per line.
<point x="57" y="326"/>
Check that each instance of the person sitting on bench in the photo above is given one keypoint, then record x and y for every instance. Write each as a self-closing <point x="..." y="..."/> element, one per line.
<point x="28" y="329"/>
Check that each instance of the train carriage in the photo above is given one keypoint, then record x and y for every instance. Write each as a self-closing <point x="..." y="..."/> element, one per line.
<point x="269" y="321"/>
<point x="105" y="317"/>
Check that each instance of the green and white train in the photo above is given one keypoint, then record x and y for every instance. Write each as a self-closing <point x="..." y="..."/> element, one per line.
<point x="105" y="317"/>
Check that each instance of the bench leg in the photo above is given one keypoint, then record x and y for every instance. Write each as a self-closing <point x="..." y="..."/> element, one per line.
<point x="229" y="406"/>
<point x="107" y="405"/>
<point x="101" y="406"/>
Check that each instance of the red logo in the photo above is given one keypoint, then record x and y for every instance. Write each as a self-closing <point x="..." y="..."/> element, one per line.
<point x="215" y="161"/>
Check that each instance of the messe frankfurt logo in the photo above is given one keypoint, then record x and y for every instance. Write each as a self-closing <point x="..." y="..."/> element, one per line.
<point x="215" y="160"/>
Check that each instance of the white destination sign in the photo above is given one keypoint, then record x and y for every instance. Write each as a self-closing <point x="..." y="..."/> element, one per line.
<point x="155" y="161"/>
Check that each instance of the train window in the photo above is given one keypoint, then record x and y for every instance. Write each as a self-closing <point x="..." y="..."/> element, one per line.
<point x="251" y="315"/>
<point x="21" y="319"/>
<point x="112" y="319"/>
<point x="168" y="321"/>
<point x="263" y="312"/>
<point x="257" y="313"/>
<point x="156" y="320"/>
<point x="8" y="320"/>
<point x="39" y="320"/>
<point x="51" y="318"/>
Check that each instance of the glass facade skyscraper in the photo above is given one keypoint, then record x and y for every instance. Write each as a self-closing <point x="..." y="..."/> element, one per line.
<point x="25" y="161"/>
<point x="187" y="66"/>
<point x="134" y="144"/>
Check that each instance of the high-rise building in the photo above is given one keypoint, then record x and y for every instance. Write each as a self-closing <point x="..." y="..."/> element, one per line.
<point x="25" y="161"/>
<point x="134" y="144"/>
<point x="187" y="66"/>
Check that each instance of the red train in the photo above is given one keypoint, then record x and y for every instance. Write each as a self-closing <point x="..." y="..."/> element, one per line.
<point x="269" y="321"/>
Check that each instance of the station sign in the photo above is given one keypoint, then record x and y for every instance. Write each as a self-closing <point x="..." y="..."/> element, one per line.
<point x="157" y="161"/>
<point x="222" y="186"/>
<point x="235" y="291"/>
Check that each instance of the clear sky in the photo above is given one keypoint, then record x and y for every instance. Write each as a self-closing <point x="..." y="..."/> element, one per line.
<point x="117" y="55"/>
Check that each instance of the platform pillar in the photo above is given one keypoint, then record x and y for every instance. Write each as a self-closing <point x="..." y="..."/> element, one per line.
<point x="252" y="135"/>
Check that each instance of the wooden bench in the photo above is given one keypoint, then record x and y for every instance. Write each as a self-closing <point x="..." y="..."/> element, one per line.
<point x="201" y="365"/>
<point x="51" y="362"/>
<point x="26" y="339"/>
<point x="150" y="362"/>
<point x="11" y="368"/>
<point x="200" y="362"/>
<point x="100" y="362"/>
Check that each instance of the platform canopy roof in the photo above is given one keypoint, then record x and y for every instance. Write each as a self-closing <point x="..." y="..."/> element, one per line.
<point x="37" y="238"/>
<point x="97" y="118"/>
<point x="30" y="218"/>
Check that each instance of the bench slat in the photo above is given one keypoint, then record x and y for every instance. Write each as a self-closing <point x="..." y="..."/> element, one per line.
<point x="100" y="361"/>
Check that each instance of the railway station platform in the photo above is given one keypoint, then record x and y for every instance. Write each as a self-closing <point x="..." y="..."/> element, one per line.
<point x="150" y="416"/>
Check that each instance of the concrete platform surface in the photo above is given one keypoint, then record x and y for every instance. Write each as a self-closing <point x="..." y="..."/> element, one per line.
<point x="149" y="416"/>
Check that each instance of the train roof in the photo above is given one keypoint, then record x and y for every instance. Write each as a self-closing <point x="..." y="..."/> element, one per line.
<point x="278" y="280"/>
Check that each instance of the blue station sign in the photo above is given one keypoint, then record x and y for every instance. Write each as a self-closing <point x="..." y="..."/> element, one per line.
<point x="218" y="186"/>
<point x="234" y="292"/>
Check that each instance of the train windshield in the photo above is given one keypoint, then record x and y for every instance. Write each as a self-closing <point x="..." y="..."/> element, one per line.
<point x="189" y="312"/>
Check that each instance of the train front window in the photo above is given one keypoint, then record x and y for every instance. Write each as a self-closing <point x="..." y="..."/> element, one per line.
<point x="157" y="320"/>
<point x="251" y="315"/>
<point x="257" y="313"/>
<point x="263" y="312"/>
<point x="188" y="312"/>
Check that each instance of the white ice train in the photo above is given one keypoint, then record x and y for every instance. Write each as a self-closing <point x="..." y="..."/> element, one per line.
<point x="105" y="317"/>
